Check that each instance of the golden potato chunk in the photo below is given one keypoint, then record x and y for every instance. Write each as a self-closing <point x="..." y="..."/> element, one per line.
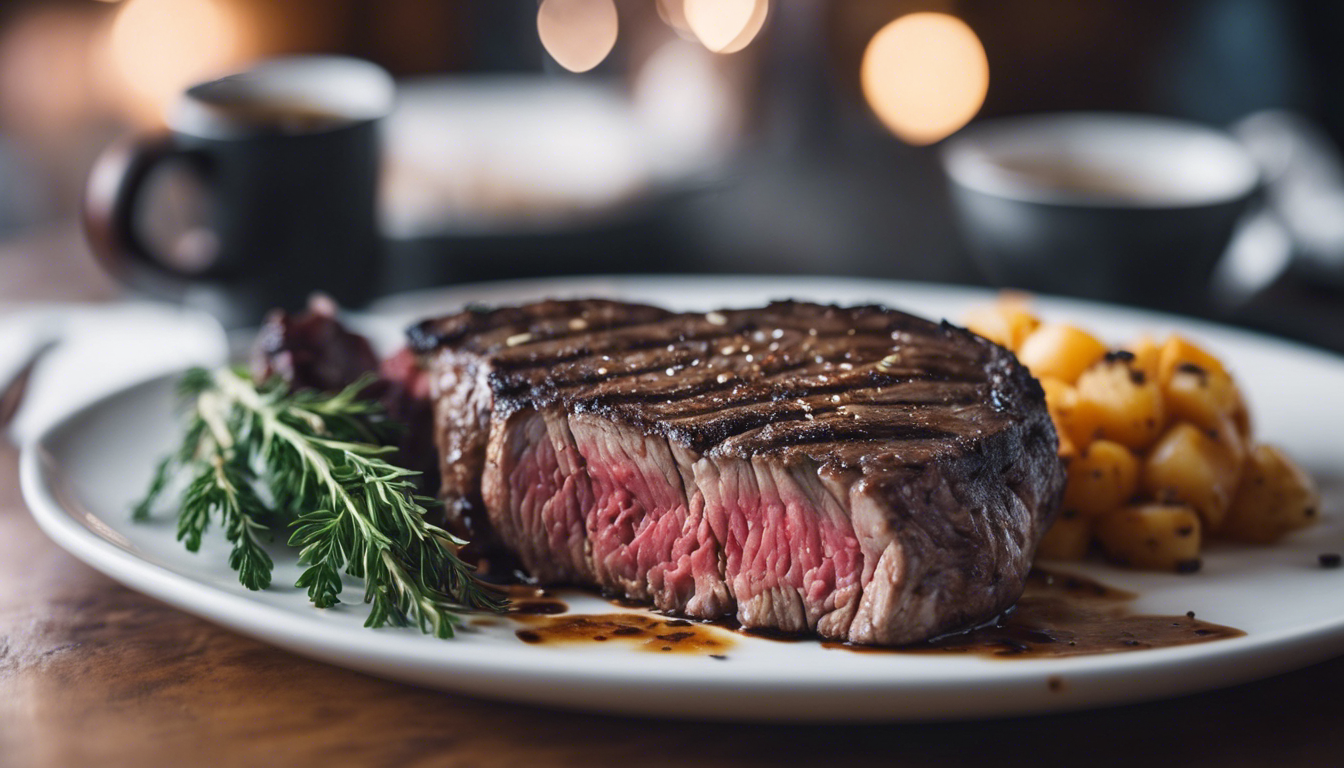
<point x="1117" y="402"/>
<point x="1157" y="437"/>
<point x="1060" y="351"/>
<point x="1164" y="537"/>
<point x="1200" y="396"/>
<point x="1192" y="466"/>
<point x="1146" y="353"/>
<point x="1005" y="323"/>
<point x="1275" y="496"/>
<point x="1060" y="399"/>
<point x="1177" y="352"/>
<point x="1103" y="477"/>
<point x="1067" y="539"/>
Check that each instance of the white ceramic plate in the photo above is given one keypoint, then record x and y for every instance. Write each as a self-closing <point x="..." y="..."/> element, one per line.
<point x="81" y="477"/>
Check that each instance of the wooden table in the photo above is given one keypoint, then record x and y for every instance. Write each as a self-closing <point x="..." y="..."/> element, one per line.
<point x="93" y="674"/>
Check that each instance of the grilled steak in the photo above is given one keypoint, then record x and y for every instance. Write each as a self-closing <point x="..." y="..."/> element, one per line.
<point x="858" y="473"/>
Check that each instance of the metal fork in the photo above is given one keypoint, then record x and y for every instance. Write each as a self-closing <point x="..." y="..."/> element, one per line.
<point x="12" y="392"/>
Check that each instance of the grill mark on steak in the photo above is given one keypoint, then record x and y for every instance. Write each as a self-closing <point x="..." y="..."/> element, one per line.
<point x="709" y="421"/>
<point x="531" y="354"/>
<point x="893" y="490"/>
<point x="789" y="431"/>
<point x="792" y="417"/>
<point x="708" y="395"/>
<point x="819" y="400"/>
<point x="707" y="378"/>
<point x="695" y="391"/>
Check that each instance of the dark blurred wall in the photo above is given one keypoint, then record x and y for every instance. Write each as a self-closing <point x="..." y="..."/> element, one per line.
<point x="822" y="184"/>
<point x="1320" y="24"/>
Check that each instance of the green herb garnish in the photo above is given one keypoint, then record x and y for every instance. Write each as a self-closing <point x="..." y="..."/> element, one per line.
<point x="259" y="457"/>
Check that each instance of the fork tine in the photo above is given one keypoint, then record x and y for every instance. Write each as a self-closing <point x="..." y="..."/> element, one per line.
<point x="12" y="395"/>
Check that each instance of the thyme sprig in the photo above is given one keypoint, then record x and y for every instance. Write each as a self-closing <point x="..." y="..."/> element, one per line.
<point x="315" y="456"/>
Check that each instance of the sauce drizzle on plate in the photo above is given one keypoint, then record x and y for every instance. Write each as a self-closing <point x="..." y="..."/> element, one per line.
<point x="1064" y="615"/>
<point x="1058" y="615"/>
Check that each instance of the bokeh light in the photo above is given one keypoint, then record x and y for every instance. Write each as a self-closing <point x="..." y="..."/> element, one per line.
<point x="725" y="26"/>
<point x="753" y="28"/>
<point x="158" y="47"/>
<point x="925" y="76"/>
<point x="578" y="34"/>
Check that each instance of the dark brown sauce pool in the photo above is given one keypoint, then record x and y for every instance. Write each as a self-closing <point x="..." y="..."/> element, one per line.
<point x="534" y="601"/>
<point x="658" y="634"/>
<point x="1064" y="615"/>
<point x="542" y="611"/>
<point x="1058" y="615"/>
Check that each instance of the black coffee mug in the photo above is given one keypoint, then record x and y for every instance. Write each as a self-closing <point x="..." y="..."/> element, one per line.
<point x="1120" y="207"/>
<point x="288" y="152"/>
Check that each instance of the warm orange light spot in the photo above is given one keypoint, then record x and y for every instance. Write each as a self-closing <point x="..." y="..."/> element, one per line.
<point x="578" y="34"/>
<point x="726" y="26"/>
<point x="752" y="29"/>
<point x="925" y="75"/>
<point x="158" y="47"/>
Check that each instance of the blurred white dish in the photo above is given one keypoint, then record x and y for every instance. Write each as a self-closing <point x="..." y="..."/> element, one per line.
<point x="503" y="154"/>
<point x="80" y="478"/>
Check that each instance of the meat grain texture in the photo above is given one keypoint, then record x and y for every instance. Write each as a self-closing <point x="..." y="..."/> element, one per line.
<point x="855" y="473"/>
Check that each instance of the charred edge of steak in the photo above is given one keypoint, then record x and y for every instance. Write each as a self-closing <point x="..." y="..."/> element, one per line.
<point x="549" y="319"/>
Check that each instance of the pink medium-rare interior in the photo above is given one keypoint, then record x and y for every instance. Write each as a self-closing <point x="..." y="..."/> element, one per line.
<point x="773" y="545"/>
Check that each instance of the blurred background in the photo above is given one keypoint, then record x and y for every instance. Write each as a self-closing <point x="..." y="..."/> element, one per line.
<point x="580" y="136"/>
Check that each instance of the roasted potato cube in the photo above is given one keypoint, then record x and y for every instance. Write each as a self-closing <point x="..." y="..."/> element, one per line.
<point x="1060" y="351"/>
<point x="1066" y="447"/>
<point x="1102" y="477"/>
<point x="1067" y="539"/>
<point x="1117" y="402"/>
<point x="1198" y="386"/>
<point x="1060" y="399"/>
<point x="1006" y="322"/>
<point x="1163" y="537"/>
<point x="1275" y="496"/>
<point x="1177" y="352"/>
<point x="1195" y="467"/>
<point x="1146" y="353"/>
<point x="1201" y="396"/>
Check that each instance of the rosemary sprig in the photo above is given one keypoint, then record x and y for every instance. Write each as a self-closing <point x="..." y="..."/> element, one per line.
<point x="350" y="509"/>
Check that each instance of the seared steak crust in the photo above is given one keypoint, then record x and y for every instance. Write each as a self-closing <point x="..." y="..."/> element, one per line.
<point x="858" y="473"/>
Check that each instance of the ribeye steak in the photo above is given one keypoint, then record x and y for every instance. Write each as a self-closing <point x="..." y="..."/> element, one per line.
<point x="857" y="473"/>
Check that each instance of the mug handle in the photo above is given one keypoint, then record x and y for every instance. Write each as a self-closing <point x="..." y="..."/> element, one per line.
<point x="110" y="201"/>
